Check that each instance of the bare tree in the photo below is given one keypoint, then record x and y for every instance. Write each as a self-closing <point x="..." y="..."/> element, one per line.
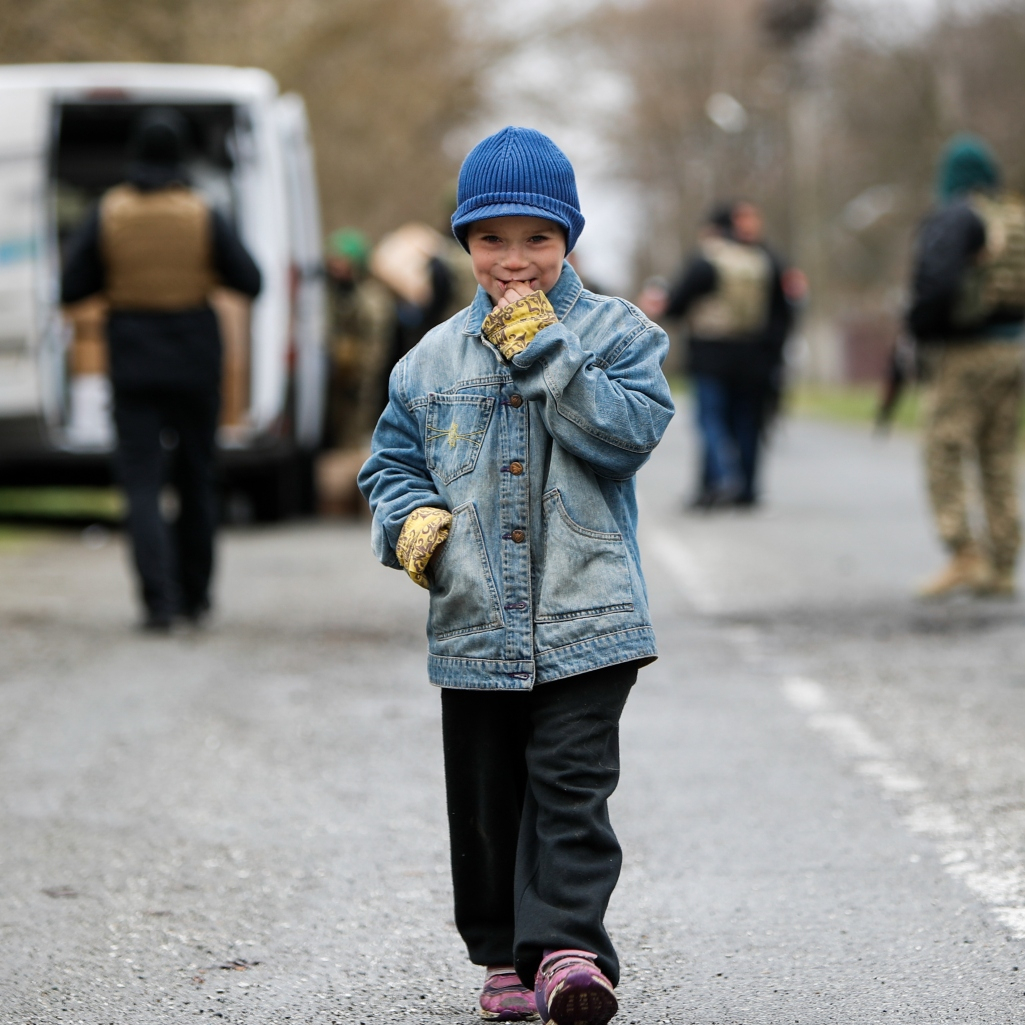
<point x="708" y="119"/>
<point x="885" y="103"/>
<point x="385" y="80"/>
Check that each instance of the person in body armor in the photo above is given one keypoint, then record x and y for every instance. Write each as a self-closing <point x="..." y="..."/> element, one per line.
<point x="155" y="250"/>
<point x="738" y="318"/>
<point x="967" y="314"/>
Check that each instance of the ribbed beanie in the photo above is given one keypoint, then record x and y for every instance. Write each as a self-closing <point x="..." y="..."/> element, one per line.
<point x="517" y="172"/>
<point x="966" y="165"/>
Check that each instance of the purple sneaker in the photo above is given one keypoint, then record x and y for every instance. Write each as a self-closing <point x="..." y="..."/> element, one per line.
<point x="505" y="998"/>
<point x="570" y="989"/>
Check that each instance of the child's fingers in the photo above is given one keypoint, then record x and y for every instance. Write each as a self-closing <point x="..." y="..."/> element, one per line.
<point x="516" y="291"/>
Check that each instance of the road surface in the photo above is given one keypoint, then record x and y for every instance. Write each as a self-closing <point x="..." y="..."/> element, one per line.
<point x="821" y="807"/>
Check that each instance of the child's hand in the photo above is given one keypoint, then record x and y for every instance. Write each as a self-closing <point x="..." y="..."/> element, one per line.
<point x="510" y="328"/>
<point x="516" y="290"/>
<point x="424" y="532"/>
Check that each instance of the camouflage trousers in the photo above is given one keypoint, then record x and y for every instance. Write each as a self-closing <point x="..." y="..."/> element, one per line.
<point x="973" y="412"/>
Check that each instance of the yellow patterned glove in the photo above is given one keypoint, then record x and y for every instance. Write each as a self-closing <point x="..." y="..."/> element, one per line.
<point x="424" y="530"/>
<point x="512" y="328"/>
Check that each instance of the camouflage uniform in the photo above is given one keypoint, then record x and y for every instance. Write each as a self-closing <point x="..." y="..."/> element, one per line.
<point x="973" y="414"/>
<point x="968" y="312"/>
<point x="362" y="329"/>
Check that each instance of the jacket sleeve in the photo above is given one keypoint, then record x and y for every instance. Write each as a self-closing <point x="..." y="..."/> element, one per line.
<point x="395" y="479"/>
<point x="700" y="278"/>
<point x="83" y="274"/>
<point x="947" y="243"/>
<point x="609" y="415"/>
<point x="232" y="261"/>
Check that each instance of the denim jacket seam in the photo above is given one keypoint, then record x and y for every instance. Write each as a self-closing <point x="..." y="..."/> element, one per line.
<point x="645" y="628"/>
<point x="589" y="429"/>
<point x="474" y="382"/>
<point x="478" y="400"/>
<point x="640" y="332"/>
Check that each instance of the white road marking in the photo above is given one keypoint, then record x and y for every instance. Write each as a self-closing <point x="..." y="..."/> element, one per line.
<point x="996" y="876"/>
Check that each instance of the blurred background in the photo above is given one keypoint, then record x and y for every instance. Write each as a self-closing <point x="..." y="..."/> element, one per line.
<point x="264" y="797"/>
<point x="828" y="115"/>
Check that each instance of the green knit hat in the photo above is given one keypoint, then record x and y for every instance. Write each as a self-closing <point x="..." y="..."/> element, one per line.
<point x="966" y="165"/>
<point x="350" y="243"/>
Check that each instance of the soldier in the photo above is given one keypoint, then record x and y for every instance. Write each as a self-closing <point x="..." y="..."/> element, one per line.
<point x="156" y="250"/>
<point x="967" y="312"/>
<point x="738" y="319"/>
<point x="362" y="328"/>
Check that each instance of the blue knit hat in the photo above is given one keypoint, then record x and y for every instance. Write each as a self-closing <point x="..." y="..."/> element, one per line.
<point x="517" y="172"/>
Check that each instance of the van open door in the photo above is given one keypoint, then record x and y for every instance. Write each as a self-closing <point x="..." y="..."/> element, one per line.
<point x="31" y="335"/>
<point x="306" y="252"/>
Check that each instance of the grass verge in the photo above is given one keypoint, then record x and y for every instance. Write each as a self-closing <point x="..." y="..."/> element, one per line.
<point x="852" y="403"/>
<point x="103" y="504"/>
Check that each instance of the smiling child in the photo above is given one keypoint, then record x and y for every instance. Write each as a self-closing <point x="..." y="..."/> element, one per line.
<point x="502" y="479"/>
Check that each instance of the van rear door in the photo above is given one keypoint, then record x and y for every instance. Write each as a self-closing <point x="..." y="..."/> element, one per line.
<point x="31" y="375"/>
<point x="306" y="254"/>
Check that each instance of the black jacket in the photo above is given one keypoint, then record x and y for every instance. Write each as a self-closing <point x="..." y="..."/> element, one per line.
<point x="180" y="349"/>
<point x="948" y="242"/>
<point x="756" y="356"/>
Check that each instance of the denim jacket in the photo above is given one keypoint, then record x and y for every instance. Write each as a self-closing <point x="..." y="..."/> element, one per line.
<point x="540" y="577"/>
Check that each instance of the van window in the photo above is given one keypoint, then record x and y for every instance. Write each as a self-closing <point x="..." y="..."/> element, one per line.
<point x="93" y="154"/>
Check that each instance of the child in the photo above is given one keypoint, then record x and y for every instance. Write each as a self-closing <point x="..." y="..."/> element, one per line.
<point x="502" y="479"/>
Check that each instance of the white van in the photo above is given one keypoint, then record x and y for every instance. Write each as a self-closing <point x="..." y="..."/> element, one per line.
<point x="64" y="131"/>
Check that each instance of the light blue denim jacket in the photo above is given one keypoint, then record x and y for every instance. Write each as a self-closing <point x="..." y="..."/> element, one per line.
<point x="540" y="577"/>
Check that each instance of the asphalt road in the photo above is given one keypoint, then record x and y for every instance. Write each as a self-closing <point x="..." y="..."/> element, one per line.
<point x="821" y="806"/>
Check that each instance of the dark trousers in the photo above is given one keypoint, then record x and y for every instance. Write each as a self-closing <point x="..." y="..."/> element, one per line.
<point x="528" y="777"/>
<point x="730" y="415"/>
<point x="168" y="436"/>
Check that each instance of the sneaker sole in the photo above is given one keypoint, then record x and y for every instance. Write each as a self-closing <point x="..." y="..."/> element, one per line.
<point x="582" y="1000"/>
<point x="508" y="1016"/>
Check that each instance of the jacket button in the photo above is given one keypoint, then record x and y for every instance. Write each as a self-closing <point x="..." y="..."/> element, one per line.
<point x="519" y="536"/>
<point x="516" y="469"/>
<point x="515" y="401"/>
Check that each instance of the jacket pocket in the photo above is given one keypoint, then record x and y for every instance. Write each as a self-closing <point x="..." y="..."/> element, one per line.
<point x="454" y="433"/>
<point x="464" y="599"/>
<point x="586" y="572"/>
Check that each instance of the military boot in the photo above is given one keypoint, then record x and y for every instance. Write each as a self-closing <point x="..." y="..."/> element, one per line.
<point x="966" y="571"/>
<point x="997" y="583"/>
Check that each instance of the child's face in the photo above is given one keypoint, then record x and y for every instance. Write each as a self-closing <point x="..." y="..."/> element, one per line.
<point x="516" y="254"/>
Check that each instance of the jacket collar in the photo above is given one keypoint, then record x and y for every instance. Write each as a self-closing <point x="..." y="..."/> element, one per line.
<point x="562" y="297"/>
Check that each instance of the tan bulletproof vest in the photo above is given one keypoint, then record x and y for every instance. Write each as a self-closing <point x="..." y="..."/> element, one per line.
<point x="157" y="248"/>
<point x="739" y="306"/>
<point x="997" y="280"/>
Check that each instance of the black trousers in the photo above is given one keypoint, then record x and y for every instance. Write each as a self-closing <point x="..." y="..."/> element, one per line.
<point x="528" y="777"/>
<point x="167" y="435"/>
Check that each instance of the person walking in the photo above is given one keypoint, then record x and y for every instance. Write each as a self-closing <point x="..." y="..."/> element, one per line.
<point x="501" y="478"/>
<point x="738" y="319"/>
<point x="155" y="250"/>
<point x="967" y="313"/>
